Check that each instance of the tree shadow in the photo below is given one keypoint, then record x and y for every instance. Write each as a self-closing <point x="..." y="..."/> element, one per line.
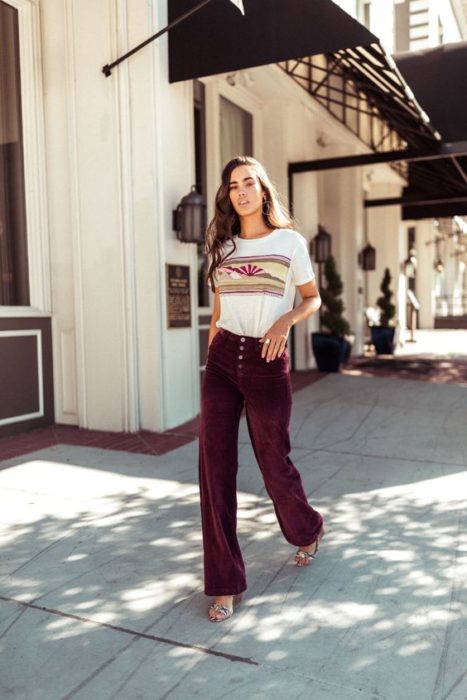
<point x="381" y="613"/>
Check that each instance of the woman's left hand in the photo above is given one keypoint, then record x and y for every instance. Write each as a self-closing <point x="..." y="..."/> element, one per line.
<point x="274" y="341"/>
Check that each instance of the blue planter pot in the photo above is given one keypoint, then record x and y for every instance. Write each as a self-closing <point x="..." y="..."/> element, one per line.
<point x="382" y="338"/>
<point x="330" y="351"/>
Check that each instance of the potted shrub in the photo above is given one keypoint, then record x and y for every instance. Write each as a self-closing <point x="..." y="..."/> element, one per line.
<point x="382" y="334"/>
<point x="331" y="347"/>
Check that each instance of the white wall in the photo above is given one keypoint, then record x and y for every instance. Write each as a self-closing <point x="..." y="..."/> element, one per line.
<point x="342" y="215"/>
<point x="384" y="233"/>
<point x="119" y="159"/>
<point x="84" y="205"/>
<point x="175" y="172"/>
<point x="300" y="131"/>
<point x="426" y="275"/>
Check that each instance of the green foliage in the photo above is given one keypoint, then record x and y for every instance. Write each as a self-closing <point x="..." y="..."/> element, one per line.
<point x="388" y="310"/>
<point x="332" y="306"/>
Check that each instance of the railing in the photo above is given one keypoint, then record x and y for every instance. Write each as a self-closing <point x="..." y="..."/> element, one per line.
<point x="451" y="305"/>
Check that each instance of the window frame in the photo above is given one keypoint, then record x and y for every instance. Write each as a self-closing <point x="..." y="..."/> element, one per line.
<point x="32" y="111"/>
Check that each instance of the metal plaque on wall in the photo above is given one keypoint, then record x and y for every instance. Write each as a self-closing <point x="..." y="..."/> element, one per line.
<point x="178" y="296"/>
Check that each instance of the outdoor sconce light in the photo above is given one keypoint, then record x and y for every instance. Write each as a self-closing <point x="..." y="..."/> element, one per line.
<point x="189" y="218"/>
<point x="321" y="245"/>
<point x="321" y="250"/>
<point x="367" y="258"/>
<point x="439" y="265"/>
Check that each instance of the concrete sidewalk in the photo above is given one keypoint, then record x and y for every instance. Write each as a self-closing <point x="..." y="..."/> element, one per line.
<point x="101" y="569"/>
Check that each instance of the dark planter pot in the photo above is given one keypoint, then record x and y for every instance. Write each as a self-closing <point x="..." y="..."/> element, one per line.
<point x="330" y="351"/>
<point x="382" y="338"/>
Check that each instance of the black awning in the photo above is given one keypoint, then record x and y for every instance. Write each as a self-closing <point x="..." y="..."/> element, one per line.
<point x="438" y="77"/>
<point x="218" y="39"/>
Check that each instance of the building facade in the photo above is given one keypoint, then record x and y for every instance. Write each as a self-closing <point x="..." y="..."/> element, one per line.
<point x="91" y="169"/>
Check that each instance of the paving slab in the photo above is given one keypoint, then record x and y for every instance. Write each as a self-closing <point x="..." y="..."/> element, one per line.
<point x="101" y="566"/>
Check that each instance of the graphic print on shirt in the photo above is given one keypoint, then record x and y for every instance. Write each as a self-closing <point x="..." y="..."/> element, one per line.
<point x="264" y="274"/>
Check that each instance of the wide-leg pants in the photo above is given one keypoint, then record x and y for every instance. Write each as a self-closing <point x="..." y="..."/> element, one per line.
<point x="237" y="375"/>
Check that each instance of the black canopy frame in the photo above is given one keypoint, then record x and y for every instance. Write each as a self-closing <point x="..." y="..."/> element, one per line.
<point x="345" y="68"/>
<point x="435" y="168"/>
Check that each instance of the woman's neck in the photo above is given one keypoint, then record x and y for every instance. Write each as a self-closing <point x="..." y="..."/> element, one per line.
<point x="254" y="229"/>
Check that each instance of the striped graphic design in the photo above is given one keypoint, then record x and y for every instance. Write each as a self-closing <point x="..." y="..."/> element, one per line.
<point x="254" y="275"/>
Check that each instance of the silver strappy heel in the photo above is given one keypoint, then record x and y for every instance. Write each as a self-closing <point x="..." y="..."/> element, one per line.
<point x="223" y="609"/>
<point x="303" y="558"/>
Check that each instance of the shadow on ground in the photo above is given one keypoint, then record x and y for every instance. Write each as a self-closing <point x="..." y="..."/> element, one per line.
<point x="101" y="577"/>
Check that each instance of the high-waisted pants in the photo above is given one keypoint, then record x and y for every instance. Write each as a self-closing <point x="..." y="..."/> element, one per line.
<point x="237" y="375"/>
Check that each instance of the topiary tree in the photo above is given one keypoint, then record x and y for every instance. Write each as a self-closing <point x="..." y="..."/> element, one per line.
<point x="332" y="306"/>
<point x="388" y="310"/>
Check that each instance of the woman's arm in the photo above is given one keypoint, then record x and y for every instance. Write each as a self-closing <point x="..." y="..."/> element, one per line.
<point x="279" y="331"/>
<point x="216" y="312"/>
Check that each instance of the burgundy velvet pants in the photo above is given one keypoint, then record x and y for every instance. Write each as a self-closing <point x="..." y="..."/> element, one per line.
<point x="235" y="376"/>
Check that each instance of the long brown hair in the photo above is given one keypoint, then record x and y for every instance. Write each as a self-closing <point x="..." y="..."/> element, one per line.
<point x="226" y="222"/>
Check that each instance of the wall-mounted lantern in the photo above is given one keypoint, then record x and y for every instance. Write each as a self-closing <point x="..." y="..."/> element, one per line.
<point x="320" y="251"/>
<point x="438" y="265"/>
<point x="321" y="245"/>
<point x="189" y="218"/>
<point x="367" y="258"/>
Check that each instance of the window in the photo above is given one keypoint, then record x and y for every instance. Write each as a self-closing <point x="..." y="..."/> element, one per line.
<point x="200" y="175"/>
<point x="364" y="12"/>
<point x="236" y="131"/>
<point x="401" y="25"/>
<point x="419" y="24"/>
<point x="14" y="278"/>
<point x="411" y="24"/>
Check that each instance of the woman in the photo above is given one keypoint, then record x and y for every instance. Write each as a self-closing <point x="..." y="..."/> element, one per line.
<point x="257" y="262"/>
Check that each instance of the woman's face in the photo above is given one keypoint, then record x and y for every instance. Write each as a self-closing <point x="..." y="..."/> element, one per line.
<point x="245" y="191"/>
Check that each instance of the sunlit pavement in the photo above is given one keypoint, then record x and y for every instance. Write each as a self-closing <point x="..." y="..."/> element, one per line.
<point x="436" y="344"/>
<point x="101" y="567"/>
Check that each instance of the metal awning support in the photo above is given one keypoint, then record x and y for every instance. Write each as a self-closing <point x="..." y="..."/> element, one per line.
<point x="445" y="150"/>
<point x="413" y="201"/>
<point x="107" y="69"/>
<point x="436" y="171"/>
<point x="364" y="80"/>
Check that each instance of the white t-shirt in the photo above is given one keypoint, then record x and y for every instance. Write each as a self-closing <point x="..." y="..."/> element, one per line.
<point x="257" y="282"/>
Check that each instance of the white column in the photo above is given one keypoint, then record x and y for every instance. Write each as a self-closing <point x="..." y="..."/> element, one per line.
<point x="426" y="276"/>
<point x="385" y="233"/>
<point x="83" y="168"/>
<point x="342" y="215"/>
<point x="300" y="127"/>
